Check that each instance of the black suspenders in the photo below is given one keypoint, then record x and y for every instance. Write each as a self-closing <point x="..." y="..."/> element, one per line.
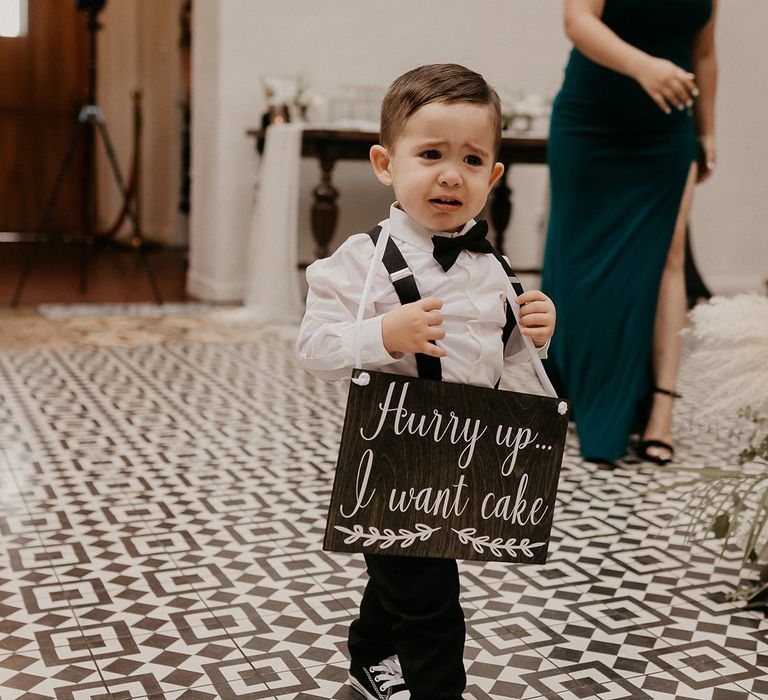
<point x="407" y="292"/>
<point x="405" y="285"/>
<point x="511" y="323"/>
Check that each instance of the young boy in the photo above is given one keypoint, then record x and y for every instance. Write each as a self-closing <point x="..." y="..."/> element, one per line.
<point x="440" y="135"/>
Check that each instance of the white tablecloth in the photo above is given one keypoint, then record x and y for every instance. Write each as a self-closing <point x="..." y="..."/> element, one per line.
<point x="272" y="292"/>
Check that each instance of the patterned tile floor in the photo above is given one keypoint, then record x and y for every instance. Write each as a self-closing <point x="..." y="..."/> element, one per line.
<point x="163" y="484"/>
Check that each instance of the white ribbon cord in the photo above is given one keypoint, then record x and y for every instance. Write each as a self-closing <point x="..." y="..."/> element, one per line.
<point x="541" y="373"/>
<point x="378" y="255"/>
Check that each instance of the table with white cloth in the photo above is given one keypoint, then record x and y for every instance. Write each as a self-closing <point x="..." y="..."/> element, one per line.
<point x="272" y="292"/>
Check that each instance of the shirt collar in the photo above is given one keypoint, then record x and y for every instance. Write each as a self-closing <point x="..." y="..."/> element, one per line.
<point x="404" y="228"/>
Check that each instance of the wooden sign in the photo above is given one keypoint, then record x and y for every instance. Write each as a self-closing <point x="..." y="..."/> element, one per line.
<point x="436" y="469"/>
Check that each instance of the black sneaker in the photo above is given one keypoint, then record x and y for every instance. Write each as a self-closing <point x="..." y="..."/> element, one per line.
<point x="383" y="681"/>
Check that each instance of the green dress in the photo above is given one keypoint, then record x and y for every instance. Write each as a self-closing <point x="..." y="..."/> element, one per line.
<point x="618" y="167"/>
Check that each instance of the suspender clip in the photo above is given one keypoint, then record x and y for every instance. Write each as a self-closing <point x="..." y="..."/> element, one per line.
<point x="398" y="275"/>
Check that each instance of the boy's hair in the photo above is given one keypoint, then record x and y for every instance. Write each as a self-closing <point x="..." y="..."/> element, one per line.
<point x="438" y="82"/>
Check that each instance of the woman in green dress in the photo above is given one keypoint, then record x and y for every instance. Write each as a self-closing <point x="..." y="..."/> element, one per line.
<point x="635" y="110"/>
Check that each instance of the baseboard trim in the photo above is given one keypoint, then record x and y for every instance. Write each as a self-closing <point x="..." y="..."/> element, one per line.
<point x="728" y="285"/>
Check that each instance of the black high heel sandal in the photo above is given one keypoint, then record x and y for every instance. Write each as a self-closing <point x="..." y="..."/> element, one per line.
<point x="644" y="445"/>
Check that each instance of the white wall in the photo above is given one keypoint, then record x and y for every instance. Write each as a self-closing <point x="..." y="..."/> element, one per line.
<point x="138" y="50"/>
<point x="216" y="249"/>
<point x="730" y="218"/>
<point x="516" y="44"/>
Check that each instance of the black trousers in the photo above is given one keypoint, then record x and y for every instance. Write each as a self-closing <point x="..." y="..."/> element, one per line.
<point x="411" y="607"/>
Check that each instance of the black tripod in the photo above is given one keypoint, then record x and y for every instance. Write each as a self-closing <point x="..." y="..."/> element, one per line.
<point x="90" y="122"/>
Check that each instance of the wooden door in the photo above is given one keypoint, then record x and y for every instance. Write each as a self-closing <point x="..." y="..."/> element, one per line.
<point x="43" y="83"/>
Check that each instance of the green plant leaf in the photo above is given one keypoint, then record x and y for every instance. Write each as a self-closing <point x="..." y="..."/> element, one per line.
<point x="731" y="502"/>
<point x="758" y="526"/>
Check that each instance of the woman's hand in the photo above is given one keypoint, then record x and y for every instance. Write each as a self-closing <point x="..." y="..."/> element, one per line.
<point x="668" y="85"/>
<point x="707" y="157"/>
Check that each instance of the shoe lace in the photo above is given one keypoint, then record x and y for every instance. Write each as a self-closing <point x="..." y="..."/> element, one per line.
<point x="393" y="663"/>
<point x="387" y="673"/>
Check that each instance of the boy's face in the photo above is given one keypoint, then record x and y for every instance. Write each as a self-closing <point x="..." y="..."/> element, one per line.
<point x="442" y="166"/>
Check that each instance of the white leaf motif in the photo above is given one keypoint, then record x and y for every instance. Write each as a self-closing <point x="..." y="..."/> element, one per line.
<point x="388" y="537"/>
<point x="497" y="546"/>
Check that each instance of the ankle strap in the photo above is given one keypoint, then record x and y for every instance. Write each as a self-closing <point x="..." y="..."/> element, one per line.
<point x="667" y="392"/>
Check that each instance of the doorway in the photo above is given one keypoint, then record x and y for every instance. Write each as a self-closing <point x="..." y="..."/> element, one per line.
<point x="42" y="87"/>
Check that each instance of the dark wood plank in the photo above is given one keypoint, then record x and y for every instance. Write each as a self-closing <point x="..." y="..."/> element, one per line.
<point x="42" y="86"/>
<point x="349" y="144"/>
<point x="330" y="145"/>
<point x="437" y="469"/>
<point x="115" y="274"/>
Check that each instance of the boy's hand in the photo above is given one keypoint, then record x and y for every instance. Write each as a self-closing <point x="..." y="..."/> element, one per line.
<point x="410" y="327"/>
<point x="537" y="317"/>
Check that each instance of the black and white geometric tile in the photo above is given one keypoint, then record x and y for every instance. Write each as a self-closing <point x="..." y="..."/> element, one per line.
<point x="161" y="518"/>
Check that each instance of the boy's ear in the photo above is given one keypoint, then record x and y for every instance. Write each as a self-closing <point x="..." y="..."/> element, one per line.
<point x="496" y="172"/>
<point x="380" y="161"/>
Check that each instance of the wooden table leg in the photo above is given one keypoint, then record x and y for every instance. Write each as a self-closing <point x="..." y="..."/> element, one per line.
<point x="325" y="212"/>
<point x="501" y="208"/>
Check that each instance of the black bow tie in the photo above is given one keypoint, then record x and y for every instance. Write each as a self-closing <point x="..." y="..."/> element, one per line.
<point x="446" y="250"/>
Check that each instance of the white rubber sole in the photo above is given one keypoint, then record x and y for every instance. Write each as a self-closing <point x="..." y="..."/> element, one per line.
<point x="359" y="688"/>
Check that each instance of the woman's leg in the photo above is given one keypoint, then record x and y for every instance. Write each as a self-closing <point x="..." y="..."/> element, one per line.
<point x="670" y="320"/>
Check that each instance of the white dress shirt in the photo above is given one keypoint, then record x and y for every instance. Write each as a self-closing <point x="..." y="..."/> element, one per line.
<point x="473" y="292"/>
